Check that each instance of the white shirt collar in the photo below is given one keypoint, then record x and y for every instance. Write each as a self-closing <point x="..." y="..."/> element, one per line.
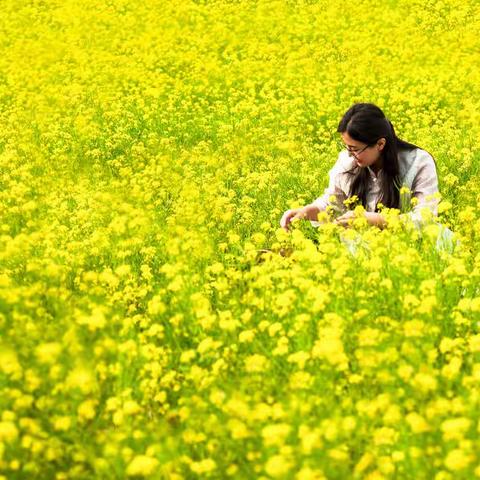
<point x="372" y="173"/>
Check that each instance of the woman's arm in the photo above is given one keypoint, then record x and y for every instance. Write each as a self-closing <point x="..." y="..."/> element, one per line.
<point x="424" y="188"/>
<point x="373" y="218"/>
<point x="337" y="187"/>
<point x="309" y="212"/>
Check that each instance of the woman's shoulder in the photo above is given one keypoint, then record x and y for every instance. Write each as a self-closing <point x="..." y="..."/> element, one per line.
<point x="414" y="158"/>
<point x="413" y="162"/>
<point x="414" y="155"/>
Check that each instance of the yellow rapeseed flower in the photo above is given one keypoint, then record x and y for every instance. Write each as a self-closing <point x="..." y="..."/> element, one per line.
<point x="207" y="465"/>
<point x="275" y="434"/>
<point x="48" y="352"/>
<point x="277" y="466"/>
<point x="87" y="409"/>
<point x="455" y="428"/>
<point x="256" y="363"/>
<point x="417" y="423"/>
<point x="142" y="466"/>
<point x="457" y="460"/>
<point x="8" y="431"/>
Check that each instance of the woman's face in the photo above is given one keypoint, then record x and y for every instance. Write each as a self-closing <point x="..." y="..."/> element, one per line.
<point x="364" y="155"/>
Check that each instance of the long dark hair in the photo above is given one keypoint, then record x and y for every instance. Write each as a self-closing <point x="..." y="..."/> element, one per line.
<point x="365" y="122"/>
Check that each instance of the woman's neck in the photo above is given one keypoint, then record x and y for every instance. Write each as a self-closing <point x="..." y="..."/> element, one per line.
<point x="377" y="166"/>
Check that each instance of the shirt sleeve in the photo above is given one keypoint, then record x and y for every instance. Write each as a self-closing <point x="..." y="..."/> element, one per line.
<point x="336" y="185"/>
<point x="425" y="187"/>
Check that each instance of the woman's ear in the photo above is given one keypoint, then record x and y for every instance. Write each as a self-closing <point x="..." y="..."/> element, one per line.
<point x="381" y="144"/>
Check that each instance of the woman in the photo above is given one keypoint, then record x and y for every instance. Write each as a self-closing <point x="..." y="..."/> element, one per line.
<point x="374" y="166"/>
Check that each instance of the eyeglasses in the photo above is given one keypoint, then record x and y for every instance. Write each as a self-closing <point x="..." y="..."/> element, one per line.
<point x="352" y="151"/>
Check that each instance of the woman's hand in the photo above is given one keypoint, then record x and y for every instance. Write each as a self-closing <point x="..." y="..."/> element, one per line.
<point x="376" y="219"/>
<point x="309" y="212"/>
<point x="346" y="219"/>
<point x="373" y="218"/>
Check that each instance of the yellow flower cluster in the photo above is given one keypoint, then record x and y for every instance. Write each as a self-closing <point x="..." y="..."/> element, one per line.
<point x="154" y="320"/>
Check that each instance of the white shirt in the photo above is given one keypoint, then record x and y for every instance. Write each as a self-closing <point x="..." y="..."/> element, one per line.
<point x="417" y="172"/>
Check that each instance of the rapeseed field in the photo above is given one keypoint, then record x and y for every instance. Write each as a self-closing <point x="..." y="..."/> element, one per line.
<point x="156" y="322"/>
